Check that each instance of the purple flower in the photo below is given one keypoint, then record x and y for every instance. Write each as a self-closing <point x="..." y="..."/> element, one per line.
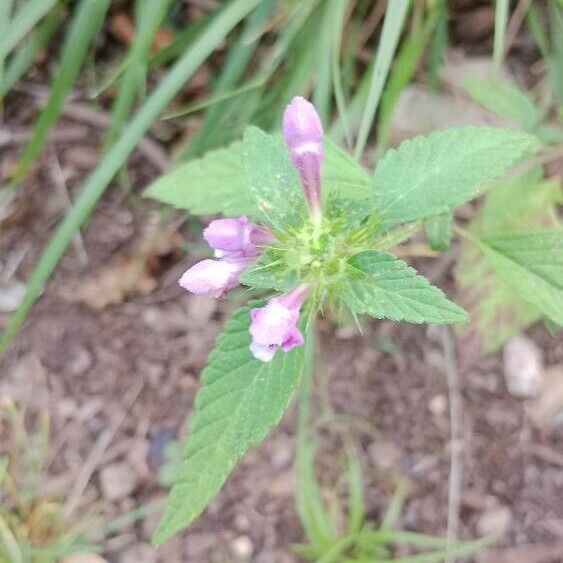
<point x="237" y="243"/>
<point x="235" y="237"/>
<point x="303" y="134"/>
<point x="213" y="276"/>
<point x="275" y="325"/>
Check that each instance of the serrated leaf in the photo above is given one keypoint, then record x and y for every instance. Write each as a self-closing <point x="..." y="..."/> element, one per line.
<point x="439" y="231"/>
<point x="272" y="180"/>
<point x="523" y="204"/>
<point x="504" y="99"/>
<point x="342" y="174"/>
<point x="216" y="183"/>
<point x="431" y="175"/>
<point x="212" y="184"/>
<point x="532" y="264"/>
<point x="270" y="273"/>
<point x="497" y="312"/>
<point x="380" y="285"/>
<point x="240" y="400"/>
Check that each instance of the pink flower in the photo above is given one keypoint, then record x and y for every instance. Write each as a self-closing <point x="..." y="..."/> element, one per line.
<point x="275" y="325"/>
<point x="303" y="134"/>
<point x="237" y="237"/>
<point x="237" y="243"/>
<point x="213" y="276"/>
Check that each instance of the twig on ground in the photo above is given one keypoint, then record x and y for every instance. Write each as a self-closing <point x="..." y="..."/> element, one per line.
<point x="97" y="452"/>
<point x="100" y="119"/>
<point x="58" y="179"/>
<point x="515" y="23"/>
<point x="456" y="444"/>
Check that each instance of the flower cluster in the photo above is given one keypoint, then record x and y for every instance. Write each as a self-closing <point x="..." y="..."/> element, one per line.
<point x="238" y="242"/>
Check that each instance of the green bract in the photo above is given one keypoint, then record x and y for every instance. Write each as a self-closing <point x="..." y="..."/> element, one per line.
<point x="342" y="258"/>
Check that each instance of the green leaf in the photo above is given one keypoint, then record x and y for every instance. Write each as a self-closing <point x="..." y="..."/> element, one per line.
<point x="522" y="204"/>
<point x="214" y="183"/>
<point x="240" y="400"/>
<point x="272" y="180"/>
<point x="342" y="174"/>
<point x="431" y="175"/>
<point x="504" y="99"/>
<point x="497" y="312"/>
<point x="381" y="286"/>
<point x="439" y="231"/>
<point x="270" y="272"/>
<point x="532" y="264"/>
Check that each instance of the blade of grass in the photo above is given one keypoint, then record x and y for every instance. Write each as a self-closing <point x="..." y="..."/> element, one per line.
<point x="395" y="506"/>
<point x="23" y="22"/>
<point x="402" y="72"/>
<point x="310" y="507"/>
<point x="85" y="24"/>
<point x="202" y="104"/>
<point x="555" y="61"/>
<point x="356" y="506"/>
<point x="501" y="21"/>
<point x="296" y="43"/>
<point x="9" y="544"/>
<point x="97" y="182"/>
<point x="393" y="23"/>
<point x="322" y="93"/>
<point x="438" y="46"/>
<point x="537" y="30"/>
<point x="150" y="14"/>
<point x="239" y="113"/>
<point x="25" y="56"/>
<point x="236" y="63"/>
<point x="5" y="16"/>
<point x="339" y="11"/>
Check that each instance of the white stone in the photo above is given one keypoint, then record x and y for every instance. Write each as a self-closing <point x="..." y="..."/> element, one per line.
<point x="523" y="367"/>
<point x="242" y="547"/>
<point x="118" y="481"/>
<point x="496" y="520"/>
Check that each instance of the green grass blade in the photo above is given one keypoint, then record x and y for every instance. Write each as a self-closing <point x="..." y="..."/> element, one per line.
<point x="395" y="17"/>
<point x="150" y="14"/>
<point x="395" y="506"/>
<point x="23" y="22"/>
<point x="501" y="21"/>
<point x="234" y="68"/>
<point x="98" y="181"/>
<point x="438" y="46"/>
<point x="356" y="507"/>
<point x="85" y="24"/>
<point x="403" y="70"/>
<point x="555" y="62"/>
<point x="339" y="11"/>
<point x="537" y="30"/>
<point x="258" y="82"/>
<point x="25" y="56"/>
<point x="323" y="84"/>
<point x="5" y="17"/>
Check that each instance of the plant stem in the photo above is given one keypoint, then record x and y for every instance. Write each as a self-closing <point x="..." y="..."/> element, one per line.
<point x="304" y="392"/>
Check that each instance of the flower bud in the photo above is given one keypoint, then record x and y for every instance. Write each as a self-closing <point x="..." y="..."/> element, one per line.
<point x="275" y="325"/>
<point x="213" y="276"/>
<point x="303" y="134"/>
<point x="235" y="237"/>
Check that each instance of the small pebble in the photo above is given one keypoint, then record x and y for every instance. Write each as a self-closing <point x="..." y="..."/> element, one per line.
<point x="496" y="520"/>
<point x="242" y="547"/>
<point x="117" y="481"/>
<point x="523" y="367"/>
